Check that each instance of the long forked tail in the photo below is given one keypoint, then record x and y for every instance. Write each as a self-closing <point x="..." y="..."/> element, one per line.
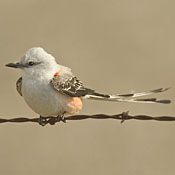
<point x="131" y="97"/>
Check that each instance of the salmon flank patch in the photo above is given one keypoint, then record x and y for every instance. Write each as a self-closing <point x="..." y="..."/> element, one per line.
<point x="77" y="103"/>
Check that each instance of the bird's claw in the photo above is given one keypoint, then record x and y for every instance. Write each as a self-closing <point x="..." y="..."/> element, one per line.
<point x="42" y="121"/>
<point x="61" y="118"/>
<point x="51" y="120"/>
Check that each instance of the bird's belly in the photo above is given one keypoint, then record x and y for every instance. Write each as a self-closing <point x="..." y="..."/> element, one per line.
<point x="46" y="101"/>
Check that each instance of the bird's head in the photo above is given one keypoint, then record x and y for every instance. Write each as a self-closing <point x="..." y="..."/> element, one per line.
<point x="35" y="59"/>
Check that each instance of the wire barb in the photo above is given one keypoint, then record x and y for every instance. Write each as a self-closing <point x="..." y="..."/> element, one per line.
<point x="122" y="116"/>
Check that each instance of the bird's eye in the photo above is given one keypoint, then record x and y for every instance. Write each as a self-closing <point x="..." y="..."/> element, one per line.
<point x="31" y="63"/>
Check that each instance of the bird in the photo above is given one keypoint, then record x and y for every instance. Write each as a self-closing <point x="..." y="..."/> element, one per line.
<point x="51" y="89"/>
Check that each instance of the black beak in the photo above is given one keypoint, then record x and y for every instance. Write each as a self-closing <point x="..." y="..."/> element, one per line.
<point x="14" y="65"/>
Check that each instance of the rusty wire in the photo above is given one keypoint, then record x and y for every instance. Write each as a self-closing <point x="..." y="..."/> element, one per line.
<point x="122" y="116"/>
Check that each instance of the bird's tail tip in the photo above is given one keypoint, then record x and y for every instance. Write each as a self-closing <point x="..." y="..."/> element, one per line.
<point x="153" y="100"/>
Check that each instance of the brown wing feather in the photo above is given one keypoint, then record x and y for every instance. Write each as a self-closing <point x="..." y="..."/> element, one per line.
<point x="70" y="86"/>
<point x="19" y="86"/>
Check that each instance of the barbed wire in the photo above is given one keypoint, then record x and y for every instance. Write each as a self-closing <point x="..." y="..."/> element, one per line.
<point x="122" y="116"/>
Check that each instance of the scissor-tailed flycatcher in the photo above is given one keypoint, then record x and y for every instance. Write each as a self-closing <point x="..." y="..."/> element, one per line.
<point x="51" y="89"/>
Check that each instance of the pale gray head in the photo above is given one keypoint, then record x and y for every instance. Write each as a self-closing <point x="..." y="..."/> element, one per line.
<point x="35" y="58"/>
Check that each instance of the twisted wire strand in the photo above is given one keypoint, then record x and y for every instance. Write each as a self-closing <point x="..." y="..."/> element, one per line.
<point x="122" y="116"/>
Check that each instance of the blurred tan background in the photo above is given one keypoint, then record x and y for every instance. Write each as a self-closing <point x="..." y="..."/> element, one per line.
<point x="114" y="46"/>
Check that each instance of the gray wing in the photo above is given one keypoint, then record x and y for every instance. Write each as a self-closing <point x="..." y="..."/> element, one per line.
<point x="73" y="87"/>
<point x="70" y="86"/>
<point x="19" y="85"/>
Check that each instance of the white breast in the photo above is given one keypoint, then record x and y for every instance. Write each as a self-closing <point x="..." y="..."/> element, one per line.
<point x="43" y="98"/>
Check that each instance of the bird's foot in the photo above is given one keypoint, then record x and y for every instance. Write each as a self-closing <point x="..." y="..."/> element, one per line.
<point x="61" y="118"/>
<point x="42" y="121"/>
<point x="51" y="120"/>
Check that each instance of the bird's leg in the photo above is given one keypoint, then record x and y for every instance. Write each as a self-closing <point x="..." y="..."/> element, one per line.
<point x="42" y="121"/>
<point x="61" y="118"/>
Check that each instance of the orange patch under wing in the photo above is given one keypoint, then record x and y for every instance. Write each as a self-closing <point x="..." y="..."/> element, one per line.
<point x="77" y="103"/>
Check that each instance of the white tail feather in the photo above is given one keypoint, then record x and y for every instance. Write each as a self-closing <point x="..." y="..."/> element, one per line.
<point x="124" y="97"/>
<point x="140" y="94"/>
